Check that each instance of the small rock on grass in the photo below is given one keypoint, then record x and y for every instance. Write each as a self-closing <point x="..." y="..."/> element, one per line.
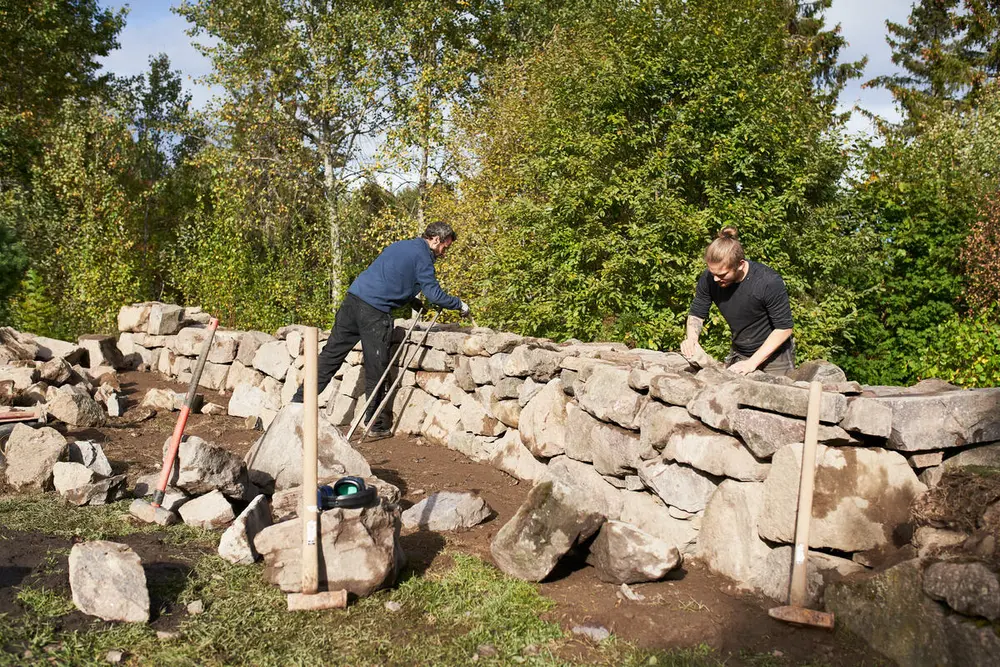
<point x="196" y="607"/>
<point x="115" y="656"/>
<point x="595" y="633"/>
<point x="393" y="606"/>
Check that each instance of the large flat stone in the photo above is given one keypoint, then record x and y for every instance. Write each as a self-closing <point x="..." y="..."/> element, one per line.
<point x="766" y="432"/>
<point x="608" y="396"/>
<point x="944" y="419"/>
<point x="792" y="401"/>
<point x="715" y="453"/>
<point x="861" y="499"/>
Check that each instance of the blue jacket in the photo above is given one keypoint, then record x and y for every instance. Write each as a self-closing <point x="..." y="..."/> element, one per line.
<point x="398" y="274"/>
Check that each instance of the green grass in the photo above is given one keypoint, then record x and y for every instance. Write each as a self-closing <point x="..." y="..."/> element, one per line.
<point x="444" y="617"/>
<point x="44" y="603"/>
<point x="49" y="514"/>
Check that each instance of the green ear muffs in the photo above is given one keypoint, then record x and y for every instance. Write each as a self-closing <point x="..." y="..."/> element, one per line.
<point x="346" y="493"/>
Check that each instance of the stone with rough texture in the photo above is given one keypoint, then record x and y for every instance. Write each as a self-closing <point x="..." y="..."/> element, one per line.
<point x="507" y="412"/>
<point x="792" y="401"/>
<point x="446" y="511"/>
<point x="236" y="543"/>
<point x="440" y="385"/>
<point x="585" y="487"/>
<point x="272" y="359"/>
<point x="944" y="419"/>
<point x="580" y="427"/>
<point x="968" y="588"/>
<point x="409" y="407"/>
<point x="275" y="461"/>
<point x="463" y="374"/>
<point x="241" y="374"/>
<point x="102" y="350"/>
<point x="649" y="514"/>
<point x="99" y="491"/>
<point x="616" y="451"/>
<point x="287" y="504"/>
<point x="728" y="542"/>
<point x="476" y="447"/>
<point x="162" y="400"/>
<point x="90" y="454"/>
<point x="31" y="456"/>
<point x="51" y="348"/>
<point x="528" y="361"/>
<point x="164" y="319"/>
<point x="476" y="419"/>
<point x="511" y="456"/>
<point x="201" y="467"/>
<point x="541" y="532"/>
<point x="623" y="554"/>
<point x="209" y="511"/>
<point x="55" y="371"/>
<point x="442" y="420"/>
<point x="249" y="401"/>
<point x="608" y="396"/>
<point x="249" y="344"/>
<point x="985" y="456"/>
<point x="715" y="453"/>
<point x="133" y="317"/>
<point x="75" y="408"/>
<point x="359" y="550"/>
<point x="890" y="611"/>
<point x="773" y="574"/>
<point x="658" y="422"/>
<point x="717" y="403"/>
<point x="676" y="484"/>
<point x="675" y="388"/>
<point x="542" y="422"/>
<point x="868" y="416"/>
<point x="764" y="433"/>
<point x="861" y="497"/>
<point x="818" y="370"/>
<point x="107" y="581"/>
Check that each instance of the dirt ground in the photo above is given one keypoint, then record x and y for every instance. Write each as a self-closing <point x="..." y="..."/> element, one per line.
<point x="692" y="607"/>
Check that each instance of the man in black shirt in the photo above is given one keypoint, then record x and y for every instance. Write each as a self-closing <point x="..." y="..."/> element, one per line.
<point x="753" y="299"/>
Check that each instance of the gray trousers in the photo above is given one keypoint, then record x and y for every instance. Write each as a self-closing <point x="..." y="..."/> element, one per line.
<point x="782" y="362"/>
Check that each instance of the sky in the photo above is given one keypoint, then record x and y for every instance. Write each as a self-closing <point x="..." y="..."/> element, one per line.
<point x="152" y="28"/>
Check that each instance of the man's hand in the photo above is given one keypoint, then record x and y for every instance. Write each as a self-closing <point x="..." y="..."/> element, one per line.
<point x="464" y="310"/>
<point x="418" y="305"/>
<point x="743" y="367"/>
<point x="689" y="347"/>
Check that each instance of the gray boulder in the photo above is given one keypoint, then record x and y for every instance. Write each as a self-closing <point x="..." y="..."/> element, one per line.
<point x="623" y="554"/>
<point x="728" y="542"/>
<point x="75" y="407"/>
<point x="715" y="453"/>
<point x="968" y="588"/>
<point x="447" y="511"/>
<point x="792" y="401"/>
<point x="766" y="432"/>
<point x="90" y="454"/>
<point x="862" y="497"/>
<point x="275" y="461"/>
<point x="818" y="370"/>
<point x="608" y="396"/>
<point x="209" y="511"/>
<point x="359" y="550"/>
<point x="107" y="581"/>
<point x="944" y="419"/>
<point x="542" y="531"/>
<point x="676" y="484"/>
<point x="236" y="543"/>
<point x="773" y="574"/>
<point x="31" y="456"/>
<point x="202" y="467"/>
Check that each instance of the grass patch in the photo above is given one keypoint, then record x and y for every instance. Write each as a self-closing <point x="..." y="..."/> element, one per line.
<point x="51" y="515"/>
<point x="44" y="603"/>
<point x="443" y="619"/>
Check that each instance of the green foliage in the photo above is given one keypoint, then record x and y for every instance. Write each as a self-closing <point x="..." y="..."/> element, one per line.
<point x="964" y="351"/>
<point x="44" y="603"/>
<point x="948" y="53"/>
<point x="609" y="159"/>
<point x="920" y="195"/>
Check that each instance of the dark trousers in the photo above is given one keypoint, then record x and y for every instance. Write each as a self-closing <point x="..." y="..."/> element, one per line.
<point x="356" y="320"/>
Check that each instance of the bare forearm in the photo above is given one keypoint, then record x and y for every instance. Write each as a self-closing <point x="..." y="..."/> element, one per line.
<point x="693" y="328"/>
<point x="773" y="341"/>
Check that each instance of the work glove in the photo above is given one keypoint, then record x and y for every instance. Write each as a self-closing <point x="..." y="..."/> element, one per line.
<point x="464" y="310"/>
<point x="418" y="305"/>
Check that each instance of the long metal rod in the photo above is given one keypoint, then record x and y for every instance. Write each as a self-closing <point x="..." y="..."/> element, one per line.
<point x="385" y="373"/>
<point x="399" y="378"/>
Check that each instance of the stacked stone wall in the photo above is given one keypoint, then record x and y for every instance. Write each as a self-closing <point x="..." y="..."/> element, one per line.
<point x="703" y="459"/>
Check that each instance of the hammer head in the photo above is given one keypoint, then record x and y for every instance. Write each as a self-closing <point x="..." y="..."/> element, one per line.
<point x="144" y="511"/>
<point x="802" y="616"/>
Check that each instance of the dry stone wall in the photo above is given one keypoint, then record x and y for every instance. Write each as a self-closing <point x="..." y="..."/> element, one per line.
<point x="701" y="459"/>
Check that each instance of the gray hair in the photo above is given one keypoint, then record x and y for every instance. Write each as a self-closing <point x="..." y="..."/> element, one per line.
<point x="440" y="230"/>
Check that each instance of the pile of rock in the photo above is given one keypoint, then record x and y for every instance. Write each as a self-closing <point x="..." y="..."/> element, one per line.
<point x="701" y="460"/>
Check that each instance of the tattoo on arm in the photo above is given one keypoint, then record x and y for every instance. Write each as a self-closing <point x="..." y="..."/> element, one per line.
<point x="694" y="325"/>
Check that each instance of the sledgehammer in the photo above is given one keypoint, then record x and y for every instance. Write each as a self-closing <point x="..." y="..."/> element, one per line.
<point x="153" y="512"/>
<point x="796" y="611"/>
<point x="311" y="598"/>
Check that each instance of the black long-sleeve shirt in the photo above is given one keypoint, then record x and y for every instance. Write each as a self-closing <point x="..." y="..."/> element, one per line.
<point x="753" y="307"/>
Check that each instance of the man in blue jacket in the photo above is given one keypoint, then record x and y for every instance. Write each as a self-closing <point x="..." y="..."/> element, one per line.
<point x="394" y="279"/>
